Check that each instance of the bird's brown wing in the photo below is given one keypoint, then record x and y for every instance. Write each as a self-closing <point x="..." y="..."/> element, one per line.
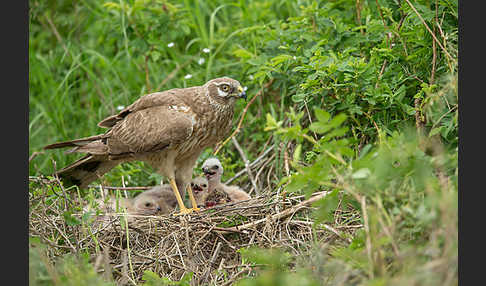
<point x="151" y="129"/>
<point x="168" y="98"/>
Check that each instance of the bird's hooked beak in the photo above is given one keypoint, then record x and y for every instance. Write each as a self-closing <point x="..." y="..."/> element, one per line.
<point x="196" y="189"/>
<point x="241" y="92"/>
<point x="207" y="171"/>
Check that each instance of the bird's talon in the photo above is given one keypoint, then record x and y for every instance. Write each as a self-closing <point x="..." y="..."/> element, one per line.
<point x="184" y="211"/>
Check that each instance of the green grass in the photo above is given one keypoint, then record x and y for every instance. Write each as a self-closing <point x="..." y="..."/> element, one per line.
<point x="374" y="63"/>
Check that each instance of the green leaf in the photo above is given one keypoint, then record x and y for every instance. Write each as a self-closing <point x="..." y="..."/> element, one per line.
<point x="326" y="207"/>
<point x="338" y="120"/>
<point x="297" y="153"/>
<point x="322" y="115"/>
<point x="272" y="124"/>
<point x="242" y="53"/>
<point x="70" y="219"/>
<point x="435" y="131"/>
<point x="280" y="59"/>
<point x="319" y="127"/>
<point x="361" y="174"/>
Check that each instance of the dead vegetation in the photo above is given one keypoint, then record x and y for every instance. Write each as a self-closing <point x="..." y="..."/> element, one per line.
<point x="204" y="243"/>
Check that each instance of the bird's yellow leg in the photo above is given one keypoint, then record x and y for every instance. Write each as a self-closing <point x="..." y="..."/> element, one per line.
<point x="191" y="197"/>
<point x="183" y="209"/>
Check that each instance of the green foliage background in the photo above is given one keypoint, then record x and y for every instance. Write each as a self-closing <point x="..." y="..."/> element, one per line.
<point x="353" y="83"/>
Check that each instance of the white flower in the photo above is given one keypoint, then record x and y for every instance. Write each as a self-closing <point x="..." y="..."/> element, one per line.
<point x="120" y="107"/>
<point x="170" y="45"/>
<point x="206" y="50"/>
<point x="245" y="88"/>
<point x="250" y="77"/>
<point x="201" y="61"/>
<point x="295" y="58"/>
<point x="188" y="76"/>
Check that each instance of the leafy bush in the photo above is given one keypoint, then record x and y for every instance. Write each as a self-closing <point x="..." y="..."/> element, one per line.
<point x="409" y="215"/>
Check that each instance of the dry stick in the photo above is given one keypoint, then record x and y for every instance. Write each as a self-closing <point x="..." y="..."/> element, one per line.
<point x="134" y="253"/>
<point x="213" y="260"/>
<point x="431" y="33"/>
<point x="124" y="270"/>
<point x="267" y="85"/>
<point x="286" y="160"/>
<point x="233" y="279"/>
<point x="173" y="73"/>
<point x="388" y="41"/>
<point x="35" y="154"/>
<point x="434" y="52"/>
<point x="441" y="32"/>
<point x="263" y="166"/>
<point x="266" y="144"/>
<point x="443" y="115"/>
<point x="47" y="241"/>
<point x="123" y="188"/>
<point x="147" y="77"/>
<point x="358" y="16"/>
<point x="251" y="164"/>
<point x="56" y="33"/>
<point x="388" y="232"/>
<point x="392" y="42"/>
<point x="247" y="165"/>
<point x="280" y="215"/>
<point x="368" y="238"/>
<point x="53" y="223"/>
<point x="56" y="177"/>
<point x="330" y="228"/>
<point x="310" y="119"/>
<point x="128" y="236"/>
<point x="179" y="251"/>
<point x="384" y="22"/>
<point x="108" y="273"/>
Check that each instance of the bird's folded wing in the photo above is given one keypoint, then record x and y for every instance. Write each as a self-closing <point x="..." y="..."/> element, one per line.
<point x="151" y="129"/>
<point x="168" y="98"/>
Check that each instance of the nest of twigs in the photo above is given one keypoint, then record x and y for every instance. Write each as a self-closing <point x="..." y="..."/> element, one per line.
<point x="204" y="243"/>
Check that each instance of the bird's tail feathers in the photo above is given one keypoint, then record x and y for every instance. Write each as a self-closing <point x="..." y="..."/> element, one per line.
<point x="76" y="142"/>
<point x="86" y="170"/>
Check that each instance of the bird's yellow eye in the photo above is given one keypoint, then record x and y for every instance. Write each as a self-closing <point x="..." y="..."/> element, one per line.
<point x="225" y="87"/>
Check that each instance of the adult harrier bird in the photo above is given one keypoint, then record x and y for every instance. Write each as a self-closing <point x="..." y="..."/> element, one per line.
<point x="168" y="130"/>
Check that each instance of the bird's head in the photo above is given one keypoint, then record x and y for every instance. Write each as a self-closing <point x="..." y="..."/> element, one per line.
<point x="225" y="90"/>
<point x="212" y="169"/>
<point x="199" y="185"/>
<point x="146" y="206"/>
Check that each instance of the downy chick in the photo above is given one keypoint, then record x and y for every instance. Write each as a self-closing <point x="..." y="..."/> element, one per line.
<point x="149" y="205"/>
<point x="213" y="170"/>
<point x="199" y="188"/>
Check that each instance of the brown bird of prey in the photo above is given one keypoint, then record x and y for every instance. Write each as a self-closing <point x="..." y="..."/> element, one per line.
<point x="168" y="130"/>
<point x="213" y="170"/>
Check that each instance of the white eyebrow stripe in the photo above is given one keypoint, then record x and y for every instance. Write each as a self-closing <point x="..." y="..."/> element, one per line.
<point x="218" y="84"/>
